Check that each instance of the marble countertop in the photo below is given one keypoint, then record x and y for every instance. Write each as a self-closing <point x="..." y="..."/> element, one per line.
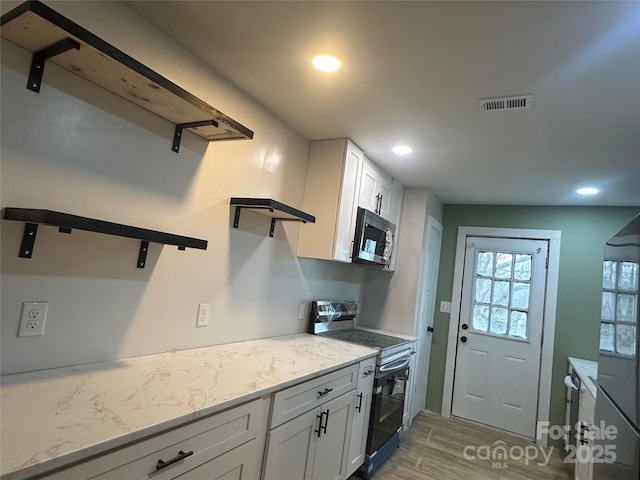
<point x="586" y="370"/>
<point x="51" y="418"/>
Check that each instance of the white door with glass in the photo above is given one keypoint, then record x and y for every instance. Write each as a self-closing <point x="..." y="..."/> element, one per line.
<point x="500" y="333"/>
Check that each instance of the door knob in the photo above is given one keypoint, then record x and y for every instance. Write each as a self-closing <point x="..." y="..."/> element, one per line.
<point x="463" y="339"/>
<point x="465" y="326"/>
<point x="430" y="329"/>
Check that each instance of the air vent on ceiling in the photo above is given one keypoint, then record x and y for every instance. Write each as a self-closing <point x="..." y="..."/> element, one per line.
<point x="520" y="102"/>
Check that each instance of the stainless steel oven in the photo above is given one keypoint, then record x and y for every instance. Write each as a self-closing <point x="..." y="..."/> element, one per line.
<point x="388" y="403"/>
<point x="336" y="319"/>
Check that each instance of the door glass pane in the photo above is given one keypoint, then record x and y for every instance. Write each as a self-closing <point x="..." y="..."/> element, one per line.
<point x="503" y="265"/>
<point x="501" y="293"/>
<point x="606" y="337"/>
<point x="628" y="276"/>
<point x="480" y="318"/>
<point x="518" y="325"/>
<point x="626" y="308"/>
<point x="522" y="269"/>
<point x="483" y="290"/>
<point x="608" y="306"/>
<point x="609" y="275"/>
<point x="498" y="320"/>
<point x="485" y="264"/>
<point x="520" y="295"/>
<point x="626" y="339"/>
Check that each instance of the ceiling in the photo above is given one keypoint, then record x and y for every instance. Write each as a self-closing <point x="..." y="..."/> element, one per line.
<point x="413" y="72"/>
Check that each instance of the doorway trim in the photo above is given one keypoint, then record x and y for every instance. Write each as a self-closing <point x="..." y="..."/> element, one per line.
<point x="549" y="314"/>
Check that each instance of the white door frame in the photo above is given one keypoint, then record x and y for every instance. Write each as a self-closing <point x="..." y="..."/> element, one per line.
<point x="549" y="319"/>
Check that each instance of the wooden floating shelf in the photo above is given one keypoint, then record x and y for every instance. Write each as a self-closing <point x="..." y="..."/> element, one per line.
<point x="51" y="36"/>
<point x="67" y="222"/>
<point x="270" y="208"/>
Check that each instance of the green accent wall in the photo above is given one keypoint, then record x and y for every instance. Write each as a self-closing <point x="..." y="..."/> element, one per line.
<point x="584" y="231"/>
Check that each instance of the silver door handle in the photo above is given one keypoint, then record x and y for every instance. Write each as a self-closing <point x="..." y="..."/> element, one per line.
<point x="386" y="368"/>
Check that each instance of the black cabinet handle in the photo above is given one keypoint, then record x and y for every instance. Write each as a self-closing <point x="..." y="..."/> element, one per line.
<point x="181" y="456"/>
<point x="326" y="390"/>
<point x="359" y="407"/>
<point x="367" y="373"/>
<point x="326" y="422"/>
<point x="319" y="424"/>
<point x="322" y="428"/>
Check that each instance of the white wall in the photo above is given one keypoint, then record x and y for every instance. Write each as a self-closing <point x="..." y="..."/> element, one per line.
<point x="76" y="148"/>
<point x="390" y="300"/>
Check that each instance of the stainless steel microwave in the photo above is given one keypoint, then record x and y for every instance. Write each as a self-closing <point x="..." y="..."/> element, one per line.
<point x="374" y="239"/>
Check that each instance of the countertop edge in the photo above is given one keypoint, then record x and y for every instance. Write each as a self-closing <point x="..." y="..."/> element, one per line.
<point x="586" y="369"/>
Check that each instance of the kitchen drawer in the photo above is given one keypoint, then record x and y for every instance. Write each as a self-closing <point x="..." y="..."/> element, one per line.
<point x="367" y="371"/>
<point x="208" y="438"/>
<point x="301" y="398"/>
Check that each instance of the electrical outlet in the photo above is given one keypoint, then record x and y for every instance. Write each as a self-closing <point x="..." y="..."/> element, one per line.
<point x="445" y="307"/>
<point x="33" y="318"/>
<point x="302" y="311"/>
<point x="204" y="311"/>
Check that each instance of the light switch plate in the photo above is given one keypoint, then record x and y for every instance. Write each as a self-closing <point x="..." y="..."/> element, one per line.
<point x="302" y="311"/>
<point x="445" y="307"/>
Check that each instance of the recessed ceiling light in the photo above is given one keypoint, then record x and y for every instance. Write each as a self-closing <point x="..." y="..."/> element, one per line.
<point x="587" y="191"/>
<point x="402" y="149"/>
<point x="326" y="63"/>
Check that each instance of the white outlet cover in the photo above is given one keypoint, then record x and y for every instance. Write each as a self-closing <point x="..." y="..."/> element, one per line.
<point x="302" y="311"/>
<point x="204" y="313"/>
<point x="33" y="319"/>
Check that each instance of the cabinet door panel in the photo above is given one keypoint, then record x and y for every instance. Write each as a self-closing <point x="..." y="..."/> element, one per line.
<point x="291" y="447"/>
<point x="368" y="188"/>
<point x="346" y="223"/>
<point x="358" y="443"/>
<point x="385" y="189"/>
<point x="330" y="462"/>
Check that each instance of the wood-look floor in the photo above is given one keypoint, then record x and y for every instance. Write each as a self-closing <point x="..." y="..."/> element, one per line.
<point x="433" y="449"/>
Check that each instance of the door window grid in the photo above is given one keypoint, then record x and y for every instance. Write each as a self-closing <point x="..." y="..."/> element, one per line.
<point x="502" y="290"/>
<point x="619" y="307"/>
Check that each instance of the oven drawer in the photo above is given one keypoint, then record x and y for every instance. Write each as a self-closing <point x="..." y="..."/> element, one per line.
<point x="294" y="401"/>
<point x="367" y="371"/>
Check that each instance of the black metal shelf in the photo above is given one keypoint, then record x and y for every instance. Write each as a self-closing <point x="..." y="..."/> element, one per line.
<point x="67" y="222"/>
<point x="51" y="36"/>
<point x="279" y="212"/>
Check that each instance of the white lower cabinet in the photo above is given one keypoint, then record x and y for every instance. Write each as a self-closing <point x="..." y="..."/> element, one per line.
<point x="360" y="426"/>
<point x="584" y="442"/>
<point x="227" y="445"/>
<point x="312" y="446"/>
<point x="410" y="387"/>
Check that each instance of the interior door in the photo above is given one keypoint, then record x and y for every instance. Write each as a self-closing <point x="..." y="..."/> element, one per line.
<point x="427" y="309"/>
<point x="500" y="333"/>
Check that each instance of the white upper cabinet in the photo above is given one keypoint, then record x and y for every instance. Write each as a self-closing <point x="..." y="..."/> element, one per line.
<point x="380" y="193"/>
<point x="375" y="190"/>
<point x="331" y="193"/>
<point x="339" y="180"/>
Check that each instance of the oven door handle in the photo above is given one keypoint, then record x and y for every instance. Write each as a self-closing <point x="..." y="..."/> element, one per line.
<point x="398" y="365"/>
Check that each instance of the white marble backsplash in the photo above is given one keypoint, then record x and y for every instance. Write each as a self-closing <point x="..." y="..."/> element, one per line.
<point x="53" y="417"/>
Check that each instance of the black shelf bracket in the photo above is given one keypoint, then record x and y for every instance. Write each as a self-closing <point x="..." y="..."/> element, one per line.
<point x="276" y="220"/>
<point x="66" y="222"/>
<point x="142" y="256"/>
<point x="270" y="208"/>
<point x="39" y="58"/>
<point x="28" y="240"/>
<point x="177" y="136"/>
